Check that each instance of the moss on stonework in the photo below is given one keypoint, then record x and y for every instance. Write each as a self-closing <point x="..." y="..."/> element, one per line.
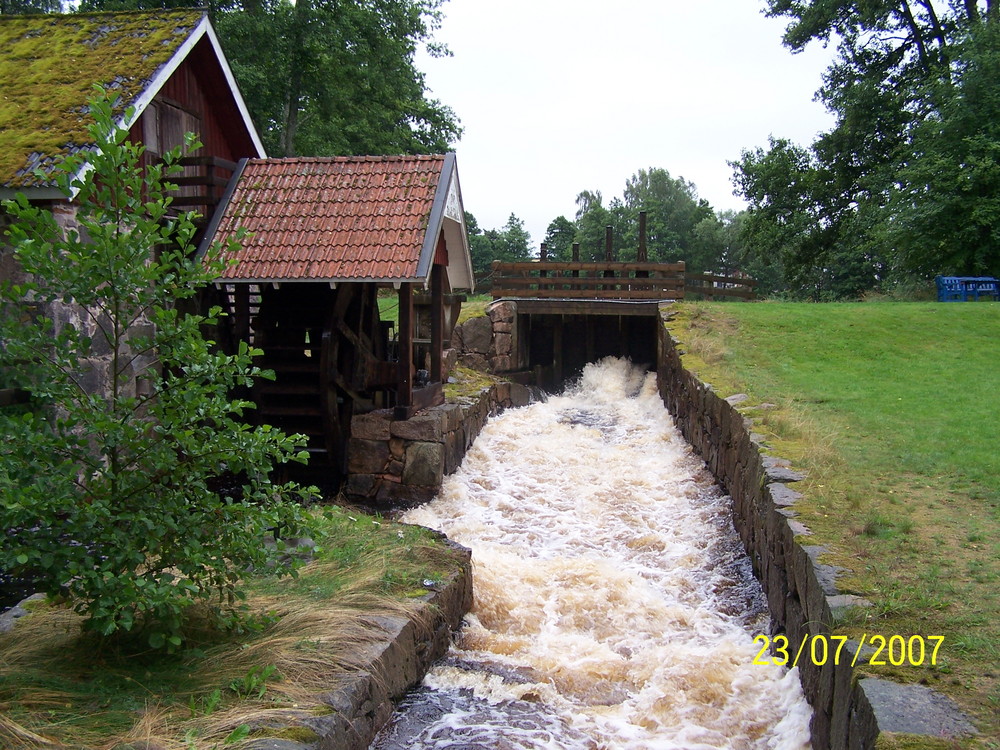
<point x="49" y="65"/>
<point x="295" y="734"/>
<point x="468" y="383"/>
<point x="894" y="741"/>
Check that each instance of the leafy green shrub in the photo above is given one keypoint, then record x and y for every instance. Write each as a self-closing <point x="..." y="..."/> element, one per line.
<point x="107" y="490"/>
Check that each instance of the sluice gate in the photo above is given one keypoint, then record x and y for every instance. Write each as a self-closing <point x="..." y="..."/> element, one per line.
<point x="566" y="314"/>
<point x="558" y="340"/>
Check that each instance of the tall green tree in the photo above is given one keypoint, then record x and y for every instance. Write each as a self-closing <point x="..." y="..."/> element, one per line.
<point x="509" y="243"/>
<point x="559" y="238"/>
<point x="107" y="487"/>
<point x="673" y="210"/>
<point x="23" y="7"/>
<point x="330" y="77"/>
<point x="944" y="215"/>
<point x="592" y="221"/>
<point x="902" y="72"/>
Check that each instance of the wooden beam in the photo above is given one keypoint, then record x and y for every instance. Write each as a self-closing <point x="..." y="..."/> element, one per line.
<point x="662" y="292"/>
<point x="620" y="267"/>
<point x="11" y="396"/>
<point x="241" y="313"/>
<point x="404" y="382"/>
<point x="437" y="323"/>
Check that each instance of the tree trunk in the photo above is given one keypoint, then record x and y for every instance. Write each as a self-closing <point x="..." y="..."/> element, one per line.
<point x="915" y="31"/>
<point x="293" y="98"/>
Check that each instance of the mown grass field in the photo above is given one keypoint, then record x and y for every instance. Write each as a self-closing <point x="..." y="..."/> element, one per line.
<point x="892" y="410"/>
<point x="61" y="689"/>
<point x="388" y="306"/>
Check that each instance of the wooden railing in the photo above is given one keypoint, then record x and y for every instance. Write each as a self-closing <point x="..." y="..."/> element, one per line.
<point x="713" y="286"/>
<point x="611" y="281"/>
<point x="202" y="182"/>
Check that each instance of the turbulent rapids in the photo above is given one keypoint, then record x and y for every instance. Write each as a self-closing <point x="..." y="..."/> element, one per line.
<point x="614" y="607"/>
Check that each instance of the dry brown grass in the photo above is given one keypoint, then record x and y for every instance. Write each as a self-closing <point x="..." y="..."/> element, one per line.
<point x="59" y="690"/>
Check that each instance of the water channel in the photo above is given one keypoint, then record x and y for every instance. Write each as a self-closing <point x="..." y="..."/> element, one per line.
<point x="614" y="607"/>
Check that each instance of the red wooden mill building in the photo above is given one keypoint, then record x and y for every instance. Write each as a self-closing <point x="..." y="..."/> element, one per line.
<point x="325" y="236"/>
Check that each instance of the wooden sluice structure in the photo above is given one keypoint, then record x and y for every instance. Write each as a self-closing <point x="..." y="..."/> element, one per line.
<point x="571" y="313"/>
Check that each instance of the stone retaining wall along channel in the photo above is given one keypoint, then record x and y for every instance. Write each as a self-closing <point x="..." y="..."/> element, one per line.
<point x="400" y="464"/>
<point x="799" y="591"/>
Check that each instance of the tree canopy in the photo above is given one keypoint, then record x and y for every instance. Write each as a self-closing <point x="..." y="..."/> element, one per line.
<point x="904" y="185"/>
<point x="509" y="243"/>
<point x="113" y="484"/>
<point x="330" y="77"/>
<point x="674" y="213"/>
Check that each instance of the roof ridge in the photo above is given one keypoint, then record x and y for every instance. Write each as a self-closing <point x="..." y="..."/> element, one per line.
<point x="39" y="17"/>
<point x="346" y="159"/>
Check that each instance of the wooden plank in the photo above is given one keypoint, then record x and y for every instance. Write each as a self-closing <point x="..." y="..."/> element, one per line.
<point x="641" y="308"/>
<point x="437" y="320"/>
<point x="551" y="266"/>
<point x="209" y="161"/>
<point x="404" y="387"/>
<point x="12" y="396"/>
<point x="711" y="277"/>
<point x="594" y="294"/>
<point x="428" y="396"/>
<point x="199" y="180"/>
<point x="714" y="291"/>
<point x="584" y="282"/>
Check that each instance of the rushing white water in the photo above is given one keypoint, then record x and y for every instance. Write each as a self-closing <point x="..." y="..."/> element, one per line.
<point x="613" y="604"/>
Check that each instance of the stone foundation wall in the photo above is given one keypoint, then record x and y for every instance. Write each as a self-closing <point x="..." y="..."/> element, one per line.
<point x="800" y="592"/>
<point x="399" y="464"/>
<point x="97" y="375"/>
<point x="489" y="343"/>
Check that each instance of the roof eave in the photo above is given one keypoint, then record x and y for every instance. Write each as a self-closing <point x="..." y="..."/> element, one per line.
<point x="41" y="193"/>
<point x="335" y="281"/>
<point x="203" y="29"/>
<point x="139" y="105"/>
<point x="435" y="220"/>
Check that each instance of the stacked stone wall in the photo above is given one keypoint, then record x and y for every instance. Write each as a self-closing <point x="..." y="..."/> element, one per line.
<point x="97" y="375"/>
<point x="400" y="464"/>
<point x="799" y="591"/>
<point x="489" y="343"/>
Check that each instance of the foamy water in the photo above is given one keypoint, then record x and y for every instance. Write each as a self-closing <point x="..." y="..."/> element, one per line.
<point x="613" y="604"/>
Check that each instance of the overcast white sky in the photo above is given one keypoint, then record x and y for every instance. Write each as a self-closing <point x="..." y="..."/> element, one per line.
<point x="560" y="96"/>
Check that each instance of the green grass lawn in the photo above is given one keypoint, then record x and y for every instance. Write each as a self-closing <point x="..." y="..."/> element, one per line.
<point x="892" y="410"/>
<point x="388" y="306"/>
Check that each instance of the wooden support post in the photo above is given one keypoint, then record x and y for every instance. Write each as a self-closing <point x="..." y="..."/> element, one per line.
<point x="641" y="254"/>
<point x="609" y="253"/>
<point x="543" y="256"/>
<point x="437" y="323"/>
<point x="557" y="351"/>
<point x="241" y="313"/>
<point x="576" y="258"/>
<point x="404" y="382"/>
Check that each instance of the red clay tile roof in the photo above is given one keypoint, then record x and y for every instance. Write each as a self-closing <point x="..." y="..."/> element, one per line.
<point x="337" y="218"/>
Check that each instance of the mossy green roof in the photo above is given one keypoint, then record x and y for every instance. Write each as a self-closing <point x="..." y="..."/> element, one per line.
<point x="49" y="64"/>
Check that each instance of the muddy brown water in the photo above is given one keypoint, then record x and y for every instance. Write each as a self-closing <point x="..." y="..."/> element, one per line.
<point x="614" y="607"/>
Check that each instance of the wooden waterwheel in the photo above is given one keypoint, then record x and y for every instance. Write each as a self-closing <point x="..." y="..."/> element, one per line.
<point x="328" y="350"/>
